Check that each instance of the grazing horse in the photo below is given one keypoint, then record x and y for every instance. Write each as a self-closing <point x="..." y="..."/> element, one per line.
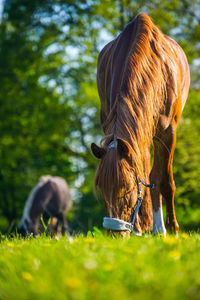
<point x="50" y="197"/>
<point x="143" y="81"/>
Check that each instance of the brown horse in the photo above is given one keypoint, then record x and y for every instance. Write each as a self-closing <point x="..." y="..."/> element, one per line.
<point x="50" y="198"/>
<point x="143" y="81"/>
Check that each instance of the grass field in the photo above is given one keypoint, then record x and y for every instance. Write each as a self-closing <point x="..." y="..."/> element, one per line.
<point x="100" y="267"/>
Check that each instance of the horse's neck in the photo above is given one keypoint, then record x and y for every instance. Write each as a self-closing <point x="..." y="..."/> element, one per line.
<point x="142" y="161"/>
<point x="147" y="163"/>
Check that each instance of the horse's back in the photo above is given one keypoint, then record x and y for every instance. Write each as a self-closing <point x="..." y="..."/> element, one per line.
<point x="183" y="68"/>
<point x="116" y="61"/>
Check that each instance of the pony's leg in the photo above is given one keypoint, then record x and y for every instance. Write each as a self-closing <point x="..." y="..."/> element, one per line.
<point x="53" y="226"/>
<point x="65" y="228"/>
<point x="155" y="178"/>
<point x="63" y="222"/>
<point x="36" y="226"/>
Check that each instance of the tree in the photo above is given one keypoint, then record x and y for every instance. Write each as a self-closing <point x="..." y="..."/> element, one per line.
<point x="49" y="101"/>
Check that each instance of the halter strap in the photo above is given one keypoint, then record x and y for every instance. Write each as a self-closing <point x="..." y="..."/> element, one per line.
<point x="120" y="225"/>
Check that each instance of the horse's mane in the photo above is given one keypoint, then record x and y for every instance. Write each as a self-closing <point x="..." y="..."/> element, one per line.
<point x="147" y="78"/>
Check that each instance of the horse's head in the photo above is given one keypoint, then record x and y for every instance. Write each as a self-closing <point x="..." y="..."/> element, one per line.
<point x="116" y="179"/>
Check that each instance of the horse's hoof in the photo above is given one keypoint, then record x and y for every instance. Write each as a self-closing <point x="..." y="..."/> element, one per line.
<point x="159" y="231"/>
<point x="172" y="227"/>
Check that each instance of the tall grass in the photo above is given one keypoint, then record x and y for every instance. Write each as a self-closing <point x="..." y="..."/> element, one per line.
<point x="100" y="268"/>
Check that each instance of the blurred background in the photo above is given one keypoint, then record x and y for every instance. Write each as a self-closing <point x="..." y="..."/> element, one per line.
<point x="49" y="106"/>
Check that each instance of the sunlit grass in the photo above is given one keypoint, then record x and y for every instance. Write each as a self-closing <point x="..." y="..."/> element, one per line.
<point x="100" y="267"/>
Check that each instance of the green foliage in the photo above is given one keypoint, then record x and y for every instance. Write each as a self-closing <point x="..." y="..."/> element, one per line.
<point x="49" y="102"/>
<point x="187" y="160"/>
<point x="88" y="212"/>
<point x="100" y="268"/>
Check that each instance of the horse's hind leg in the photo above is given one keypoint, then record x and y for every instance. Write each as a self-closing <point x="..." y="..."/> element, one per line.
<point x="168" y="185"/>
<point x="163" y="176"/>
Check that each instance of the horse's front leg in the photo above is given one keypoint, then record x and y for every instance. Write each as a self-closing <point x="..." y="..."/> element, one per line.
<point x="156" y="197"/>
<point x="145" y="211"/>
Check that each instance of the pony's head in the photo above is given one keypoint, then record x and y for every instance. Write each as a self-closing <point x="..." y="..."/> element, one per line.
<point x="116" y="178"/>
<point x="25" y="227"/>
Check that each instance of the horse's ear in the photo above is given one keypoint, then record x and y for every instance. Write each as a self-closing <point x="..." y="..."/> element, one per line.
<point x="98" y="151"/>
<point x="124" y="148"/>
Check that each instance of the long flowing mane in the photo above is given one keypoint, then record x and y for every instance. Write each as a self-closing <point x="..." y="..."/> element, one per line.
<point x="138" y="95"/>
